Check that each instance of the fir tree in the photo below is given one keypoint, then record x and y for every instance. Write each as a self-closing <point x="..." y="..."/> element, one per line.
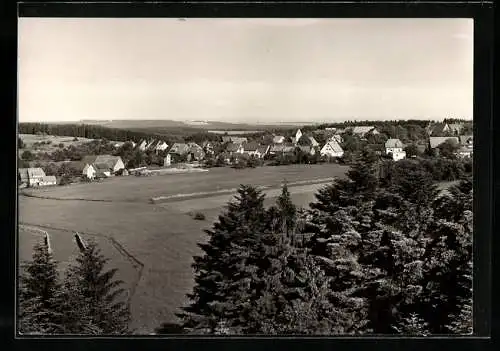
<point x="287" y="213"/>
<point x="448" y="262"/>
<point x="96" y="299"/>
<point x="219" y="272"/>
<point x="40" y="299"/>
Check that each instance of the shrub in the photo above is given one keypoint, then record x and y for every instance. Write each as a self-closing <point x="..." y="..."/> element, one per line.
<point x="61" y="145"/>
<point x="199" y="216"/>
<point x="75" y="139"/>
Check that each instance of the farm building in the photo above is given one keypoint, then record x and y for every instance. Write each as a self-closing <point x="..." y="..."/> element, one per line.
<point x="113" y="163"/>
<point x="332" y="149"/>
<point x="31" y="176"/>
<point x="394" y="147"/>
<point x="456" y="128"/>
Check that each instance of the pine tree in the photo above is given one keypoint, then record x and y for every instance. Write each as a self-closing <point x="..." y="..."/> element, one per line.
<point x="287" y="212"/>
<point x="40" y="299"/>
<point x="219" y="272"/>
<point x="96" y="300"/>
<point x="448" y="262"/>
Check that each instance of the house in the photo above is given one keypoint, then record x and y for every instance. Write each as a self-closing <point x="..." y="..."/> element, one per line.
<point x="161" y="146"/>
<point x="142" y="145"/>
<point x="361" y="131"/>
<point x="438" y="128"/>
<point x="434" y="142"/>
<point x="337" y="137"/>
<point x="151" y="144"/>
<point x="47" y="181"/>
<point x="102" y="170"/>
<point x="276" y="149"/>
<point x="195" y="152"/>
<point x="234" y="148"/>
<point x="332" y="149"/>
<point x="278" y="139"/>
<point x="250" y="148"/>
<point x="179" y="149"/>
<point x="394" y="147"/>
<point x="114" y="163"/>
<point x="167" y="160"/>
<point x="456" y="128"/>
<point x="298" y="135"/>
<point x="89" y="171"/>
<point x="262" y="151"/>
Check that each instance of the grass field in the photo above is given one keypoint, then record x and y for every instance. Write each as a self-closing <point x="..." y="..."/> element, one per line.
<point x="162" y="237"/>
<point x="142" y="189"/>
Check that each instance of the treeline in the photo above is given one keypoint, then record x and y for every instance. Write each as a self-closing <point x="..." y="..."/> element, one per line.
<point x="88" y="300"/>
<point x="170" y="135"/>
<point x="84" y="131"/>
<point x="367" y="257"/>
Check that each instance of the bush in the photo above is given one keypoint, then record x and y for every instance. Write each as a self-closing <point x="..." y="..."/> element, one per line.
<point x="61" y="145"/>
<point x="75" y="139"/>
<point x="199" y="216"/>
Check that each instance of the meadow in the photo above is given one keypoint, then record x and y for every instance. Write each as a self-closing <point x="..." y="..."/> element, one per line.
<point x="142" y="189"/>
<point x="163" y="237"/>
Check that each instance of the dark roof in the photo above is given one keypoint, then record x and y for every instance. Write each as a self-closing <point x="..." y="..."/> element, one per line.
<point x="251" y="146"/>
<point x="232" y="147"/>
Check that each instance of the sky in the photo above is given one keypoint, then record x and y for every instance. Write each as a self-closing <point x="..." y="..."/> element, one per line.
<point x="244" y="70"/>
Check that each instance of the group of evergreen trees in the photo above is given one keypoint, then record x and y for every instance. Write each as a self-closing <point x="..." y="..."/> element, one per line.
<point x="369" y="256"/>
<point x="87" y="301"/>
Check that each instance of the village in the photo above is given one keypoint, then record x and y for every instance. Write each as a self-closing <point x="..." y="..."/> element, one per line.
<point x="247" y="151"/>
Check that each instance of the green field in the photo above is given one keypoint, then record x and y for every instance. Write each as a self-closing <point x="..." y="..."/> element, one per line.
<point x="163" y="238"/>
<point x="142" y="189"/>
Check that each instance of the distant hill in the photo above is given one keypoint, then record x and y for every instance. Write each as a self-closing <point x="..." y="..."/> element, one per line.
<point x="204" y="125"/>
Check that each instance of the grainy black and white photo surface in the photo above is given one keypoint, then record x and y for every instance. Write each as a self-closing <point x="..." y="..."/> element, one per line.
<point x="244" y="176"/>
